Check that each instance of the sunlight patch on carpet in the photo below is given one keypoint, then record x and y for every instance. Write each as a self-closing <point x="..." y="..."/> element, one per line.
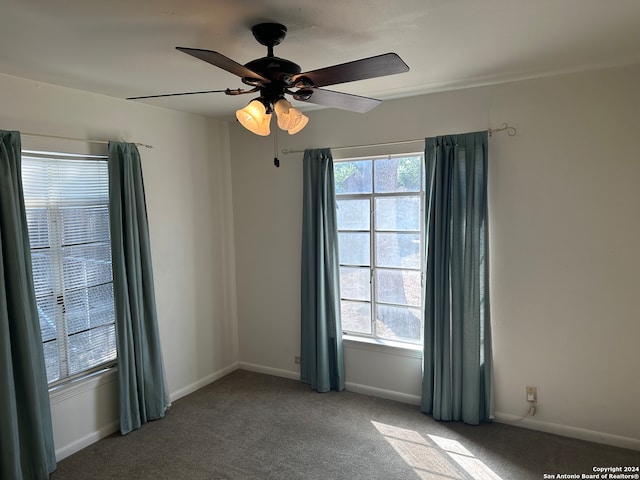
<point x="431" y="458"/>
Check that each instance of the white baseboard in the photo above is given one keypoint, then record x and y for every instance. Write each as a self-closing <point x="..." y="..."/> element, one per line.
<point x="568" y="431"/>
<point x="276" y="372"/>
<point x="203" y="382"/>
<point x="114" y="425"/>
<point x="382" y="393"/>
<point x="564" y="430"/>
<point x="87" y="440"/>
<point x="351" y="387"/>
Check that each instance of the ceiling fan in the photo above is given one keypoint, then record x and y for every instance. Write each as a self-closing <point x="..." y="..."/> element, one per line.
<point x="273" y="78"/>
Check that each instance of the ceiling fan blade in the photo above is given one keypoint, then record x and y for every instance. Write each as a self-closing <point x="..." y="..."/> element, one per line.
<point x="329" y="98"/>
<point x="378" y="66"/>
<point x="176" y="94"/>
<point x="225" y="63"/>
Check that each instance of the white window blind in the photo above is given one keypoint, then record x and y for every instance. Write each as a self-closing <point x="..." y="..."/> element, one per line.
<point x="66" y="200"/>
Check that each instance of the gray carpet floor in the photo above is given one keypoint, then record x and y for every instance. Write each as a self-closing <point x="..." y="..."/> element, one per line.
<point x="253" y="426"/>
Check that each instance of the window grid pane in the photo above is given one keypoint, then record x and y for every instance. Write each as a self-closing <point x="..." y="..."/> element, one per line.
<point x="356" y="317"/>
<point x="398" y="323"/>
<point x="354" y="214"/>
<point x="354" y="248"/>
<point x="353" y="176"/>
<point x="399" y="287"/>
<point x="397" y="174"/>
<point x="398" y="249"/>
<point x="355" y="283"/>
<point x="66" y="200"/>
<point x="395" y="213"/>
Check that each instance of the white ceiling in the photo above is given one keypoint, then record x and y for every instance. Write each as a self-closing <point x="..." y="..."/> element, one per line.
<point x="126" y="48"/>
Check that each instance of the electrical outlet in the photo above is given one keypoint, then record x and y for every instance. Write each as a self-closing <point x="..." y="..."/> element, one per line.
<point x="296" y="359"/>
<point x="532" y="394"/>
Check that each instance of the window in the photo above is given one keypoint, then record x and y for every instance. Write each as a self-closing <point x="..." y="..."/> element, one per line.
<point x="380" y="228"/>
<point x="66" y="199"/>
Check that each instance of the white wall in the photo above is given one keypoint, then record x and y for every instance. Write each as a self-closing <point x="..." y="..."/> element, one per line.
<point x="564" y="244"/>
<point x="187" y="183"/>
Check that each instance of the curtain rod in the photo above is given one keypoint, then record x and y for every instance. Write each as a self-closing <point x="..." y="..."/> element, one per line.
<point x="511" y="131"/>
<point x="105" y="142"/>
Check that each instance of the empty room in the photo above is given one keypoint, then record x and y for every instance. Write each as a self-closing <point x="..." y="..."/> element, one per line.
<point x="319" y="240"/>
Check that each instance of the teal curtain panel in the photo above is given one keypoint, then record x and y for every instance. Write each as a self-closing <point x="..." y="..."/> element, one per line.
<point x="457" y="333"/>
<point x="26" y="434"/>
<point x="321" y="352"/>
<point x="143" y="392"/>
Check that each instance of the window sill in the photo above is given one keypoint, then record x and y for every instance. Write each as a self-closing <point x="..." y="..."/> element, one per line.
<point x="384" y="346"/>
<point x="65" y="391"/>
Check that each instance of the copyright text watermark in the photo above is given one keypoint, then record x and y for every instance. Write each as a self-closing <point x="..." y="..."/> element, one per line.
<point x="599" y="473"/>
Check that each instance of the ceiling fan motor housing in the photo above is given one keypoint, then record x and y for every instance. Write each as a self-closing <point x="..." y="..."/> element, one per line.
<point x="275" y="69"/>
<point x="279" y="71"/>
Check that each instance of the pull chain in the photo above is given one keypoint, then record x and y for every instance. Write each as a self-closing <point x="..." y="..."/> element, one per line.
<point x="276" y="161"/>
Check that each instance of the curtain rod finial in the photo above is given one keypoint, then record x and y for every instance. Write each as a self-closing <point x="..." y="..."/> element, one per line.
<point x="511" y="131"/>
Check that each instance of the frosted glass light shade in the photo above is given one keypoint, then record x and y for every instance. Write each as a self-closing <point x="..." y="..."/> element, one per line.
<point x="301" y="121"/>
<point x="289" y="118"/>
<point x="254" y="117"/>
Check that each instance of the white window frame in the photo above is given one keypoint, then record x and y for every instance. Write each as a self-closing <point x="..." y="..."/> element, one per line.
<point x="374" y="337"/>
<point x="55" y="247"/>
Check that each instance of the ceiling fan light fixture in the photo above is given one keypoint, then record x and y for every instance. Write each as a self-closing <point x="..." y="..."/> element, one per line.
<point x="289" y="118"/>
<point x="254" y="117"/>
